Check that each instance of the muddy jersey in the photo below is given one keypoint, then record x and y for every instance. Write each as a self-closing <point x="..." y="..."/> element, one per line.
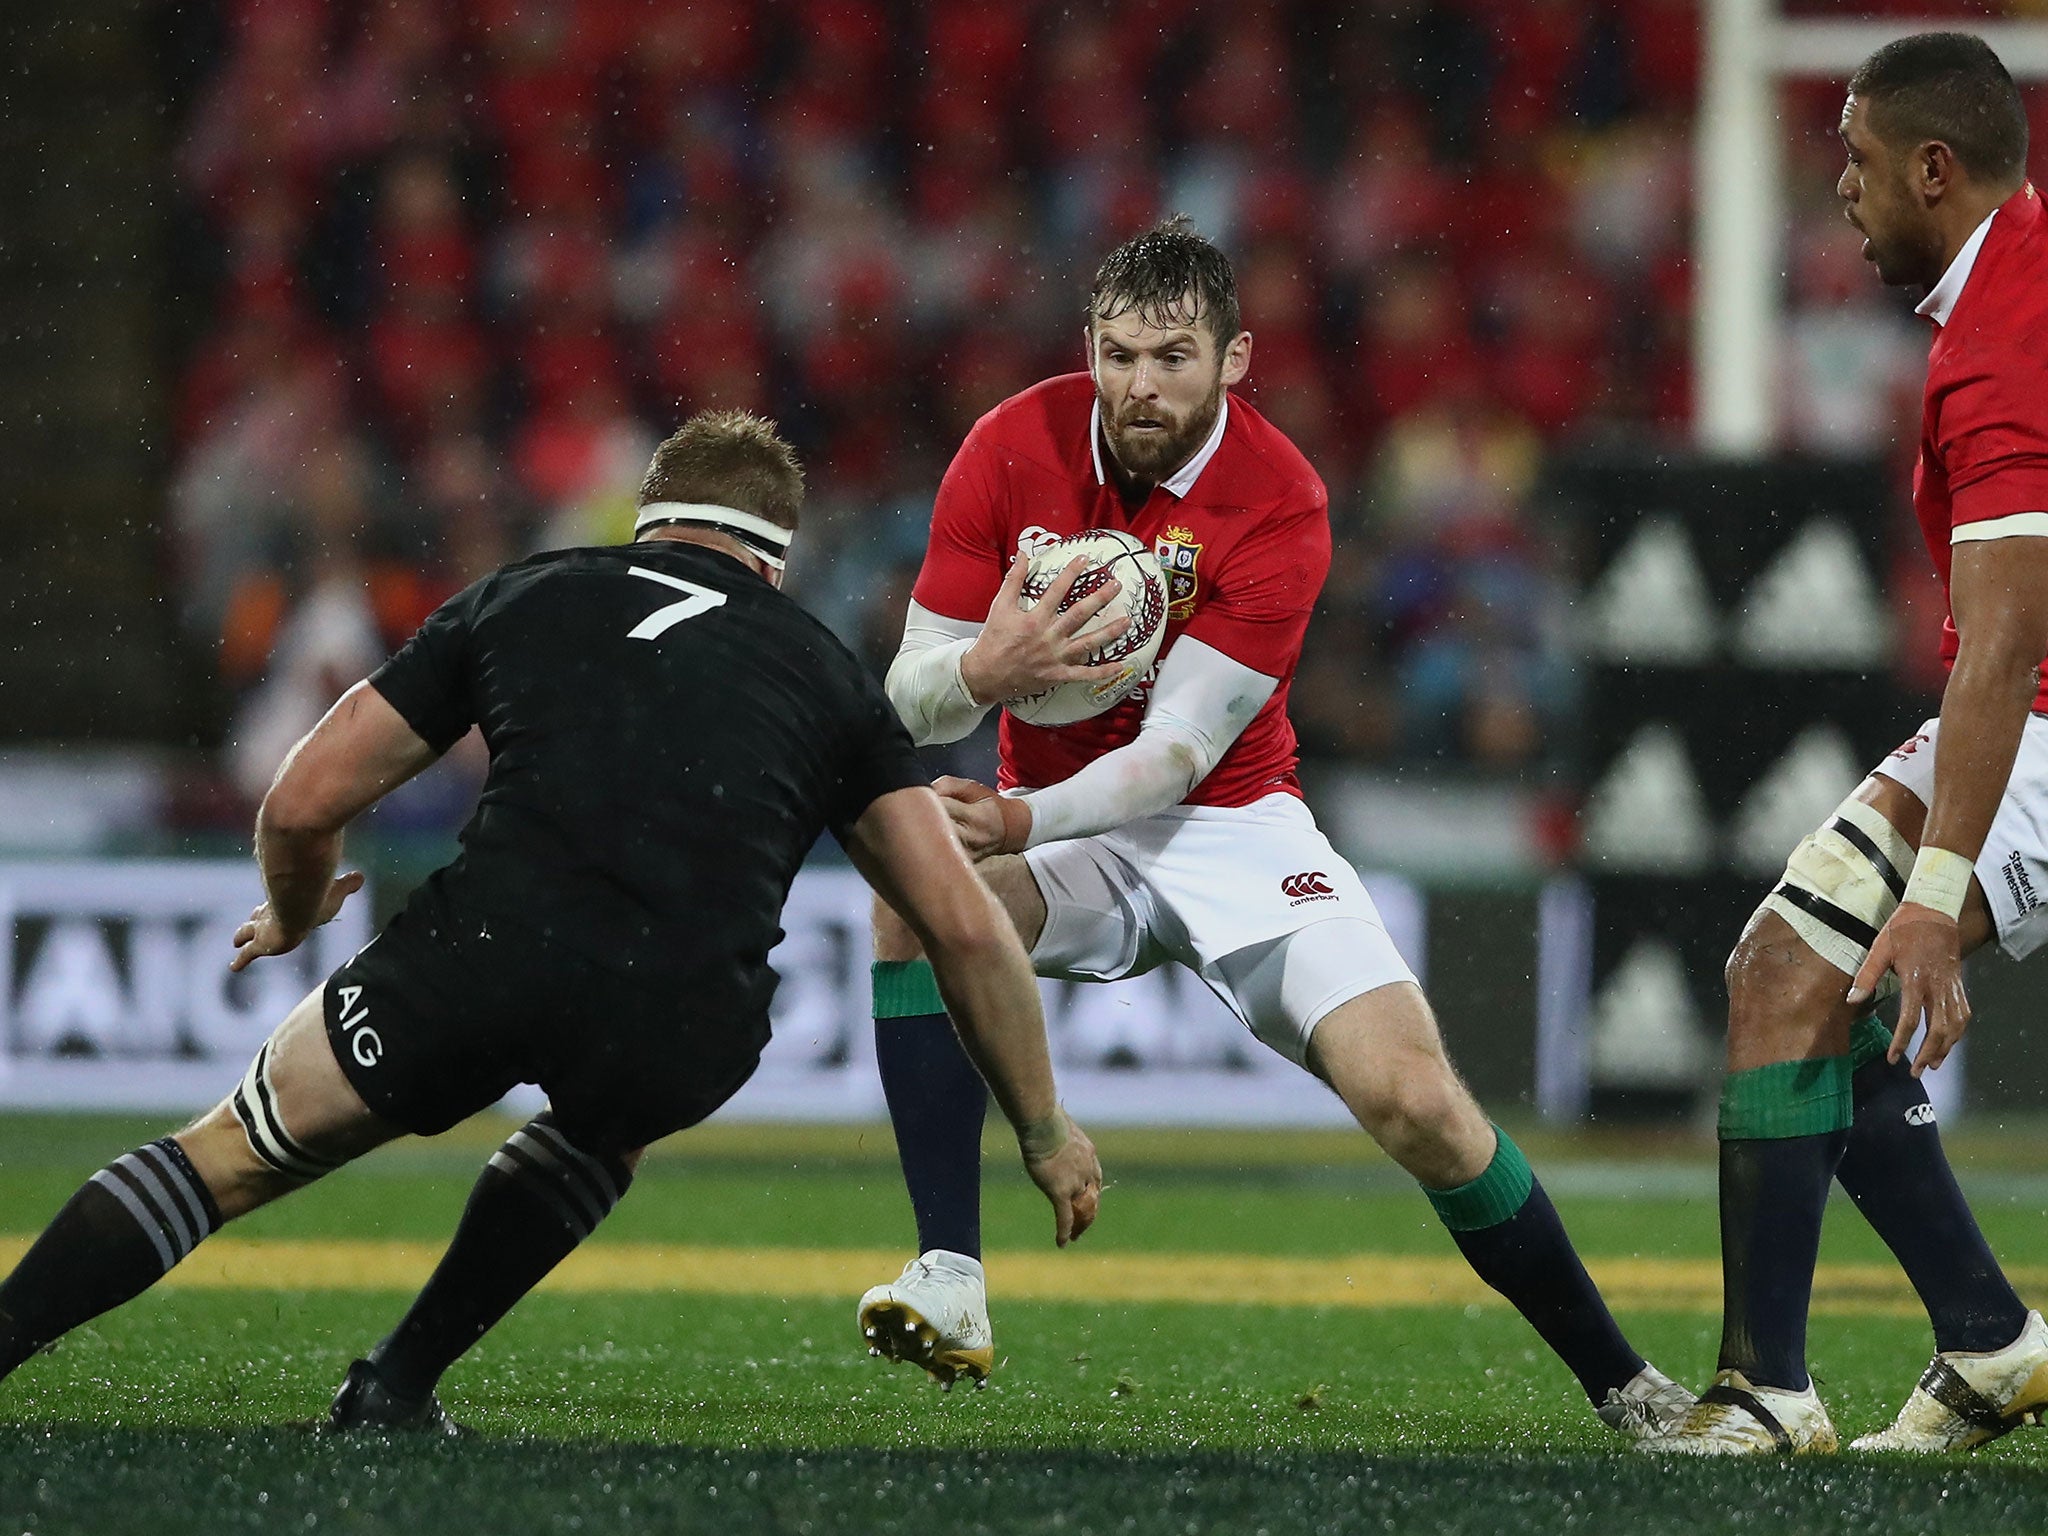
<point x="1983" y="467"/>
<point x="1242" y="533"/>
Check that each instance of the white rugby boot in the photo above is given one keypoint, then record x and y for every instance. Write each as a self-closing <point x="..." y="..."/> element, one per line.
<point x="1651" y="1404"/>
<point x="1966" y="1399"/>
<point x="935" y="1315"/>
<point x="1735" y="1418"/>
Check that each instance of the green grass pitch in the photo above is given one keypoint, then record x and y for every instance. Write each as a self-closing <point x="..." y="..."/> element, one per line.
<point x="755" y="1409"/>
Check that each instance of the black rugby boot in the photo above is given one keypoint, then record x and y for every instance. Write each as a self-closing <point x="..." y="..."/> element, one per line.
<point x="365" y="1403"/>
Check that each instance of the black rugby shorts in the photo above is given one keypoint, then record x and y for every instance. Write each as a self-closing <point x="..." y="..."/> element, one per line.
<point x="441" y="1016"/>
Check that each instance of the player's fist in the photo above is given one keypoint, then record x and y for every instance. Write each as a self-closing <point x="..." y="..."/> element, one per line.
<point x="966" y="791"/>
<point x="1062" y="1163"/>
<point x="985" y="822"/>
<point x="264" y="934"/>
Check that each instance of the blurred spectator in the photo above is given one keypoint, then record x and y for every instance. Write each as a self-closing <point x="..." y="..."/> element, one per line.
<point x="263" y="117"/>
<point x="327" y="637"/>
<point x="397" y="60"/>
<point x="1854" y="356"/>
<point x="579" y="459"/>
<point x="1466" y="599"/>
<point x="234" y="515"/>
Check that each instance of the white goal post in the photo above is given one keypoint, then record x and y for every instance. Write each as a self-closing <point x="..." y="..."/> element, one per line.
<point x="1739" y="169"/>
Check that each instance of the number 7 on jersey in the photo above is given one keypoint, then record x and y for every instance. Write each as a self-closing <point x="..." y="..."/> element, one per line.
<point x="662" y="620"/>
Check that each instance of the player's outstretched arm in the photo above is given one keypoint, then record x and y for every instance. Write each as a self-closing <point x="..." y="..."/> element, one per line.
<point x="360" y="751"/>
<point x="1998" y="591"/>
<point x="905" y="848"/>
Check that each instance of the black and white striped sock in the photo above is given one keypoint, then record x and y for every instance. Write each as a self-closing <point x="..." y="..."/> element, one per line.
<point x="158" y="1186"/>
<point x="123" y="1231"/>
<point x="580" y="1189"/>
<point x="538" y="1197"/>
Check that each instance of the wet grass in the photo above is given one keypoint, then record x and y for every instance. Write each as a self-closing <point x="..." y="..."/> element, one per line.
<point x="648" y="1412"/>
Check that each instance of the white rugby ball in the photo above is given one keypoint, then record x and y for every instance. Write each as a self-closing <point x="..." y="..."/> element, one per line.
<point x="1111" y="555"/>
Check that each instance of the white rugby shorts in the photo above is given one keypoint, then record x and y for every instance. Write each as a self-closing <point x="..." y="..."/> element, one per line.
<point x="2013" y="867"/>
<point x="1252" y="899"/>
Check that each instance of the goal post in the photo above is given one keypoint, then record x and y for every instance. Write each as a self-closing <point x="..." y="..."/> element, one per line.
<point x="1739" y="168"/>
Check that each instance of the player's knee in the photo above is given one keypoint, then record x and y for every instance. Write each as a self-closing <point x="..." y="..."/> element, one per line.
<point x="1773" y="975"/>
<point x="219" y="1150"/>
<point x="251" y="1140"/>
<point x="1745" y="964"/>
<point x="894" y="942"/>
<point x="1409" y="1102"/>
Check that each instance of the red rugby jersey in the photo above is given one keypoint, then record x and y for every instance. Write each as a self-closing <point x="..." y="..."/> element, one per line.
<point x="1984" y="420"/>
<point x="1245" y="550"/>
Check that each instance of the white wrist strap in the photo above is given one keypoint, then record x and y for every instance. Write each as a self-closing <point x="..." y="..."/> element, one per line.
<point x="1941" y="880"/>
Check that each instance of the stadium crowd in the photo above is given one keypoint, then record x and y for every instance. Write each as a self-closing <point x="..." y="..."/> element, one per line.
<point x="463" y="261"/>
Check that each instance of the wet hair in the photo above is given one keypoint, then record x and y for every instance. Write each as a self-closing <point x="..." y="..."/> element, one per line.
<point x="730" y="459"/>
<point x="1947" y="86"/>
<point x="1170" y="275"/>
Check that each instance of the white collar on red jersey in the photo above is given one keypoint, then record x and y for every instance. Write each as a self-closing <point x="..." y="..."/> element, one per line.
<point x="1182" y="480"/>
<point x="1940" y="302"/>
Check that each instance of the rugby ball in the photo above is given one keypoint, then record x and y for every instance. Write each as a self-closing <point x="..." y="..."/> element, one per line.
<point x="1112" y="555"/>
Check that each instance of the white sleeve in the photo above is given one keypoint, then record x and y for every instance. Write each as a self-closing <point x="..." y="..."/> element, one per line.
<point x="1201" y="702"/>
<point x="924" y="680"/>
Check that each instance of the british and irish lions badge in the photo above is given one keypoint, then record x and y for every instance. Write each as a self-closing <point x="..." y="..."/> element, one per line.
<point x="1178" y="552"/>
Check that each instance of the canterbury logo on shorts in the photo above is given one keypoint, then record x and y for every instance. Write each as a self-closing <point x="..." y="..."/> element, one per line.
<point x="1313" y="885"/>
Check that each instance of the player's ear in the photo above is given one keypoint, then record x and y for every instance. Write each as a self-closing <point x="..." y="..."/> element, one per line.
<point x="1237" y="358"/>
<point x="1934" y="169"/>
<point x="1088" y="348"/>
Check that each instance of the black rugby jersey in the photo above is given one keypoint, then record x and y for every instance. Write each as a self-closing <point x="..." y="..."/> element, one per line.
<point x="668" y="734"/>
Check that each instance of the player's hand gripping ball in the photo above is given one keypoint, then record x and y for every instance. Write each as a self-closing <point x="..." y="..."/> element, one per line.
<point x="1112" y="555"/>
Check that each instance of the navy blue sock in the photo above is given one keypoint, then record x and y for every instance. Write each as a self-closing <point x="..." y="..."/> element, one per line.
<point x="1773" y="1193"/>
<point x="1783" y="1127"/>
<point x="1511" y="1235"/>
<point x="1895" y="1171"/>
<point x="937" y="1103"/>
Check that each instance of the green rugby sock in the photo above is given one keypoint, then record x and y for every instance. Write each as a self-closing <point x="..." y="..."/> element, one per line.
<point x="1787" y="1099"/>
<point x="905" y="989"/>
<point x="1868" y="1040"/>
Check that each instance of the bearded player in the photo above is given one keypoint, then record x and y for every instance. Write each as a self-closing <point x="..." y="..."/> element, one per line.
<point x="1943" y="848"/>
<point x="1172" y="827"/>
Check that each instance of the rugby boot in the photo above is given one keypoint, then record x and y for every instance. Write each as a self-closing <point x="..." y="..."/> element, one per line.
<point x="364" y="1403"/>
<point x="1651" y="1404"/>
<point x="935" y="1315"/>
<point x="1965" y="1399"/>
<point x="1735" y="1418"/>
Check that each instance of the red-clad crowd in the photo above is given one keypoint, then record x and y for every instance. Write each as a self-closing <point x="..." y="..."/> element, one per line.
<point x="465" y="260"/>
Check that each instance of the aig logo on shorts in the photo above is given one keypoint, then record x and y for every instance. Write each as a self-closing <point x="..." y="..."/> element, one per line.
<point x="1313" y="885"/>
<point x="364" y="1043"/>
